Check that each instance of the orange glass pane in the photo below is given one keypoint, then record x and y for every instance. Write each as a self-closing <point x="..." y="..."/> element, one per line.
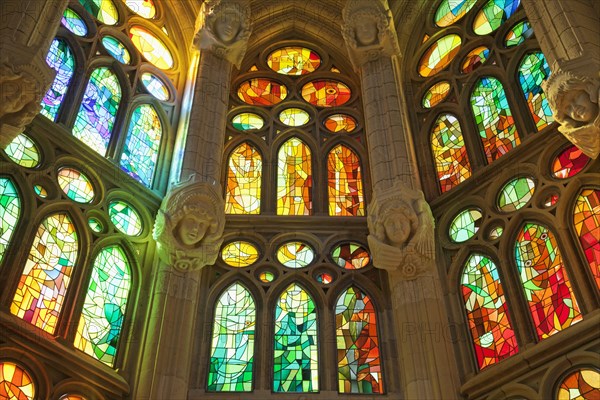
<point x="324" y="93"/>
<point x="293" y="60"/>
<point x="436" y="94"/>
<point x="262" y="92"/>
<point x="346" y="196"/>
<point x="340" y="123"/>
<point x="449" y="152"/>
<point x="475" y="59"/>
<point x="582" y="384"/>
<point x="439" y="55"/>
<point x="294" y="179"/>
<point x="243" y="181"/>
<point x="586" y="219"/>
<point x="15" y="382"/>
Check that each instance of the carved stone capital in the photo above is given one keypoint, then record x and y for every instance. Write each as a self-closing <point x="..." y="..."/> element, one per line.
<point x="368" y="31"/>
<point x="223" y="28"/>
<point x="189" y="226"/>
<point x="575" y="101"/>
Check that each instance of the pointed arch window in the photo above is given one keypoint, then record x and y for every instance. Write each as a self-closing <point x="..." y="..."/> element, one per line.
<point x="449" y="152"/>
<point x="10" y="212"/>
<point x="534" y="69"/>
<point x="294" y="178"/>
<point x="244" y="175"/>
<point x="60" y="58"/>
<point x="586" y="219"/>
<point x="346" y="195"/>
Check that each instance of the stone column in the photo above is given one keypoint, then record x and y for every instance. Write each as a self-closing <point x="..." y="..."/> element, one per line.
<point x="189" y="226"/>
<point x="401" y="227"/>
<point x="27" y="28"/>
<point x="569" y="35"/>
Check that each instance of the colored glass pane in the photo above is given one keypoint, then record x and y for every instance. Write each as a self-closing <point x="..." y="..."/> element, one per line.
<point x="582" y="384"/>
<point x="103" y="10"/>
<point x="569" y="162"/>
<point x="140" y="153"/>
<point x="293" y="60"/>
<point x="104" y="307"/>
<point x="10" y="211"/>
<point x="98" y="111"/>
<point x="586" y="219"/>
<point x="247" y="121"/>
<point x="520" y="32"/>
<point x="450" y="11"/>
<point x="144" y="8"/>
<point x="533" y="70"/>
<point x="359" y="361"/>
<point x="294" y="179"/>
<point x="155" y="86"/>
<point x="262" y="92"/>
<point x="439" y="55"/>
<point x="75" y="184"/>
<point x="449" y="152"/>
<point x="239" y="254"/>
<point x="61" y="59"/>
<point x="494" y="14"/>
<point x="346" y="195"/>
<point x="496" y="232"/>
<point x="493" y="118"/>
<point x="475" y="59"/>
<point x="40" y="191"/>
<point x="15" y="382"/>
<point x="487" y="312"/>
<point x="151" y="47"/>
<point x="340" y="123"/>
<point x="351" y="256"/>
<point x="326" y="93"/>
<point x="244" y="175"/>
<point x="115" y="48"/>
<point x="95" y="225"/>
<point x="23" y="151"/>
<point x="551" y="200"/>
<point x="295" y="363"/>
<point x="294" y="117"/>
<point x="43" y="285"/>
<point x="266" y="277"/>
<point x="324" y="278"/>
<point x="465" y="225"/>
<point x="547" y="288"/>
<point x="436" y="94"/>
<point x="74" y="23"/>
<point x="125" y="218"/>
<point x="515" y="194"/>
<point x="232" y="351"/>
<point x="334" y="69"/>
<point x="295" y="254"/>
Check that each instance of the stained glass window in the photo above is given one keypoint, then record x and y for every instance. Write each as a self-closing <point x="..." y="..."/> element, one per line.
<point x="155" y="86"/>
<point x="449" y="152"/>
<point x="104" y="10"/>
<point x="115" y="48"/>
<point x="294" y="178"/>
<point x="75" y="184"/>
<point x="493" y="118"/>
<point x="294" y="60"/>
<point x="586" y="219"/>
<point x="547" y="288"/>
<point x="533" y="70"/>
<point x="569" y="162"/>
<point x="244" y="176"/>
<point x="439" y="55"/>
<point x="10" y="211"/>
<point x="104" y="307"/>
<point x="475" y="59"/>
<point x="151" y="47"/>
<point x="232" y="351"/>
<point x="324" y="278"/>
<point x="340" y="123"/>
<point x="295" y="255"/>
<point x="487" y="312"/>
<point x="125" y="217"/>
<point x="351" y="256"/>
<point x="515" y="194"/>
<point x="74" y="23"/>
<point x="140" y="153"/>
<point x="239" y="254"/>
<point x="294" y="117"/>
<point x="494" y="14"/>
<point x="325" y="93"/>
<point x="43" y="285"/>
<point x="436" y="94"/>
<point x="247" y="121"/>
<point x="359" y="362"/>
<point x="266" y="276"/>
<point x="61" y="59"/>
<point x="450" y="11"/>
<point x="262" y="92"/>
<point x="346" y="196"/>
<point x="23" y="151"/>
<point x="98" y="111"/>
<point x="40" y="191"/>
<point x="295" y="363"/>
<point x="518" y="34"/>
<point x="582" y="384"/>
<point x="15" y="382"/>
<point x="465" y="225"/>
<point x="144" y="8"/>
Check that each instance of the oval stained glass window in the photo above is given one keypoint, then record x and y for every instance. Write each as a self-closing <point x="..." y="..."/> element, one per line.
<point x="75" y="184"/>
<point x="516" y="194"/>
<point x="496" y="232"/>
<point x="450" y="11"/>
<point x="103" y="10"/>
<point x="326" y="93"/>
<point x="294" y="60"/>
<point x="324" y="278"/>
<point x="266" y="276"/>
<point x="295" y="254"/>
<point x="494" y="14"/>
<point x="239" y="254"/>
<point x="74" y="23"/>
<point x="465" y="225"/>
<point x="115" y="48"/>
<point x="247" y="122"/>
<point x="520" y="32"/>
<point x="40" y="191"/>
<point x="151" y="47"/>
<point x="144" y="8"/>
<point x="95" y="225"/>
<point x="350" y="256"/>
<point x="439" y="55"/>
<point x="581" y="384"/>
<point x="294" y="117"/>
<point x="550" y="200"/>
<point x="15" y="382"/>
<point x="436" y="94"/>
<point x="23" y="151"/>
<point x="155" y="86"/>
<point x="475" y="59"/>
<point x="262" y="92"/>
<point x="125" y="218"/>
<point x="569" y="162"/>
<point x="340" y="123"/>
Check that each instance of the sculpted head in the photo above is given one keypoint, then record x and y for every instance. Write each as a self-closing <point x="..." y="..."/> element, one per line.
<point x="574" y="100"/>
<point x="366" y="30"/>
<point x="193" y="224"/>
<point x="396" y="223"/>
<point x="364" y="24"/>
<point x="227" y="26"/>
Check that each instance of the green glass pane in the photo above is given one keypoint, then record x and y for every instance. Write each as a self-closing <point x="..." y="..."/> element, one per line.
<point x="116" y="49"/>
<point x="73" y="22"/>
<point x="516" y="194"/>
<point x="10" y="211"/>
<point x="40" y="191"/>
<point x="125" y="218"/>
<point x="95" y="225"/>
<point x="247" y="121"/>
<point x="533" y="70"/>
<point x="103" y="10"/>
<point x="450" y="11"/>
<point x="465" y="225"/>
<point x="76" y="185"/>
<point x="496" y="232"/>
<point x="23" y="151"/>
<point x="518" y="34"/>
<point x="494" y="14"/>
<point x="266" y="276"/>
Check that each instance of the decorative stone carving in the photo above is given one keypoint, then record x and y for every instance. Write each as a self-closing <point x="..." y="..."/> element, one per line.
<point x="401" y="230"/>
<point x="224" y="28"/>
<point x="189" y="226"/>
<point x="574" y="101"/>
<point x="368" y="32"/>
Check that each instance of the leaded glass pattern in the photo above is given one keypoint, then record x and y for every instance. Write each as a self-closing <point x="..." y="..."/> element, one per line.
<point x="475" y="59"/>
<point x="294" y="61"/>
<point x="244" y="177"/>
<point x="586" y="219"/>
<point x="518" y="34"/>
<point x="350" y="256"/>
<point x="547" y="288"/>
<point x="155" y="86"/>
<point x="465" y="225"/>
<point x="10" y="211"/>
<point x="533" y="70"/>
<point x="115" y="48"/>
<point x="494" y="14"/>
<point x="450" y="11"/>
<point x="151" y="47"/>
<point x="247" y="121"/>
<point x="436" y="94"/>
<point x="47" y="273"/>
<point x="295" y="357"/>
<point x="74" y="23"/>
<point x="61" y="59"/>
<point x="449" y="152"/>
<point x="23" y="151"/>
<point x="103" y="10"/>
<point x="295" y="254"/>
<point x="262" y="92"/>
<point x="144" y="8"/>
<point x="15" y="382"/>
<point x="581" y="384"/>
<point x="439" y="55"/>
<point x="346" y="195"/>
<point x="294" y="117"/>
<point x="569" y="162"/>
<point x="294" y="178"/>
<point x="326" y="93"/>
<point x="516" y="193"/>
<point x="75" y="185"/>
<point x="340" y="123"/>
<point x="104" y="307"/>
<point x="239" y="254"/>
<point x="125" y="218"/>
<point x="232" y="350"/>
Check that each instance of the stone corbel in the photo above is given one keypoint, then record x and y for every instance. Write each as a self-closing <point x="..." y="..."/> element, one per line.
<point x="189" y="226"/>
<point x="401" y="232"/>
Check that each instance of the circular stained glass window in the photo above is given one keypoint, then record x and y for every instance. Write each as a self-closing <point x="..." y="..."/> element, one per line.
<point x="95" y="225"/>
<point x="16" y="382"/>
<point x="340" y="123"/>
<point x="465" y="225"/>
<point x="266" y="276"/>
<point x="496" y="232"/>
<point x="247" y="121"/>
<point x="144" y="8"/>
<point x="40" y="191"/>
<point x="125" y="218"/>
<point x="569" y="162"/>
<point x="475" y="59"/>
<point x="116" y="49"/>
<point x="262" y="92"/>
<point x="494" y="14"/>
<point x="450" y="11"/>
<point x="350" y="256"/>
<point x="155" y="86"/>
<point x="436" y="94"/>
<point x="325" y="93"/>
<point x="23" y="151"/>
<point x="75" y="184"/>
<point x="104" y="11"/>
<point x="239" y="254"/>
<point x="516" y="194"/>
<point x="151" y="47"/>
<point x="439" y="55"/>
<point x="293" y="60"/>
<point x="581" y="384"/>
<point x="324" y="278"/>
<point x="295" y="255"/>
<point x="74" y="23"/>
<point x="551" y="200"/>
<point x="294" y="117"/>
<point x="518" y="34"/>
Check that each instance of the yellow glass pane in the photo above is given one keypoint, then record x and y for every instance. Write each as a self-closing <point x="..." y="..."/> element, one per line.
<point x="436" y="94"/>
<point x="294" y="117"/>
<point x="15" y="382"/>
<point x="262" y="92"/>
<point x="239" y="254"/>
<point x="152" y="48"/>
<point x="325" y="93"/>
<point x="340" y="123"/>
<point x="293" y="60"/>
<point x="144" y="8"/>
<point x="294" y="179"/>
<point x="439" y="55"/>
<point x="243" y="181"/>
<point x="346" y="196"/>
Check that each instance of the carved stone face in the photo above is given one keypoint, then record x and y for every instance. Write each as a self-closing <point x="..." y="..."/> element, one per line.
<point x="191" y="230"/>
<point x="397" y="227"/>
<point x="366" y="31"/>
<point x="227" y="26"/>
<point x="14" y="94"/>
<point x="579" y="107"/>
